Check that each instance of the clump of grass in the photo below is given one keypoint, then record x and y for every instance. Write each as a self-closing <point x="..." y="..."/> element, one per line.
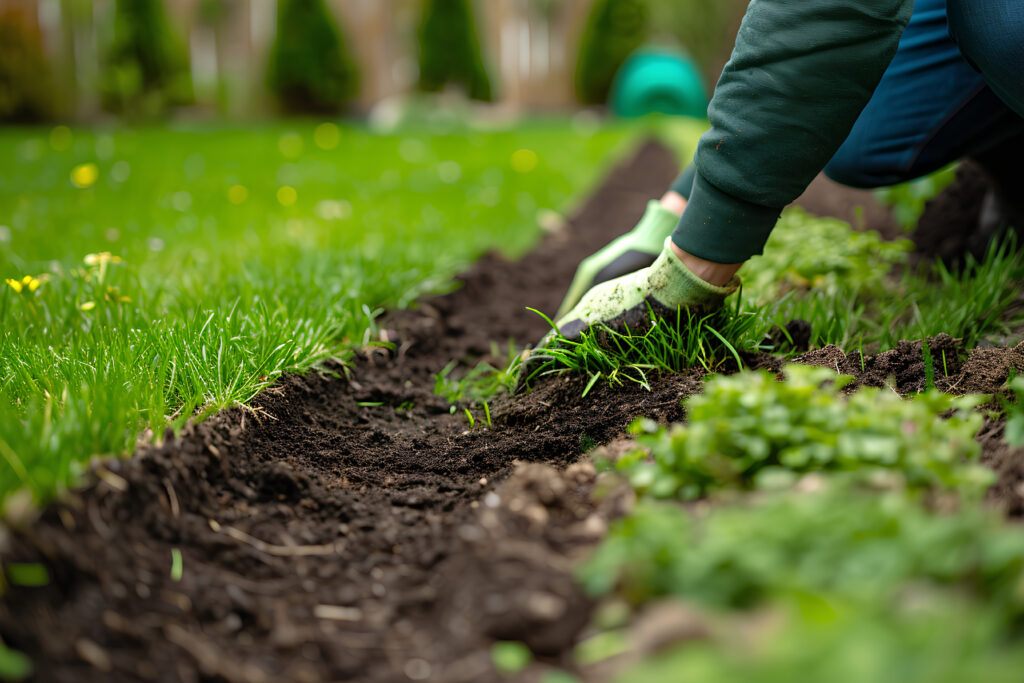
<point x="712" y="342"/>
<point x="480" y="384"/>
<point x="863" y="304"/>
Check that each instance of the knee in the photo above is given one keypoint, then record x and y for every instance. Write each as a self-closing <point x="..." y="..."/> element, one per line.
<point x="989" y="35"/>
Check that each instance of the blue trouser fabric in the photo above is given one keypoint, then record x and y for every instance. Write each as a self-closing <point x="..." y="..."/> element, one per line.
<point x="932" y="106"/>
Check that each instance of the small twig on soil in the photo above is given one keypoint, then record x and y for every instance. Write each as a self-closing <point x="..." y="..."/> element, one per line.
<point x="172" y="498"/>
<point x="280" y="550"/>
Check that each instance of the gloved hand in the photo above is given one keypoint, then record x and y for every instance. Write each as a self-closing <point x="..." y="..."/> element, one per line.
<point x="623" y="303"/>
<point x="628" y="253"/>
<point x="628" y="301"/>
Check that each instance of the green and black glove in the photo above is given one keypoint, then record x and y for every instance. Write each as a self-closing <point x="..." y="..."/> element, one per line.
<point x="626" y="302"/>
<point x="637" y="249"/>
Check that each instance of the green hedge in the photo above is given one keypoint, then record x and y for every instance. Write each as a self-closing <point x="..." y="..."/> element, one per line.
<point x="450" y="49"/>
<point x="146" y="66"/>
<point x="25" y="87"/>
<point x="614" y="29"/>
<point x="311" y="69"/>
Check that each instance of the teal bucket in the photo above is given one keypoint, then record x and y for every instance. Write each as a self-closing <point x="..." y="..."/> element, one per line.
<point x="658" y="81"/>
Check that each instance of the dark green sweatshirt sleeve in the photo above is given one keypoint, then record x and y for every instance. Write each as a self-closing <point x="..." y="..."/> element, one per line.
<point x="800" y="74"/>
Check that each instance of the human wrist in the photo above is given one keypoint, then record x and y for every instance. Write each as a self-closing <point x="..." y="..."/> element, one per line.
<point x="717" y="274"/>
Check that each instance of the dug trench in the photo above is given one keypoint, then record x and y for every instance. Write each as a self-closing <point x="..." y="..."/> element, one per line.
<point x="348" y="526"/>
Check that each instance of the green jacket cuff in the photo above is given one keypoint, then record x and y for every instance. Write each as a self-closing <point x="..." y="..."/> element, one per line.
<point x="719" y="227"/>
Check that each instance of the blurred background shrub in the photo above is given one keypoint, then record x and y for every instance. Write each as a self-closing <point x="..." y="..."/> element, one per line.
<point x="146" y="68"/>
<point x="310" y="69"/>
<point x="26" y="90"/>
<point x="614" y="30"/>
<point x="449" y="49"/>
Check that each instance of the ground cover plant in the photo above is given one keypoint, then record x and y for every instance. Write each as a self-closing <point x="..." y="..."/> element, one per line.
<point x="847" y="573"/>
<point x="749" y="431"/>
<point x="178" y="272"/>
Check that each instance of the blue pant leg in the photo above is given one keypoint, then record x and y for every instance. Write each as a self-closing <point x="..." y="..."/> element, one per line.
<point x="990" y="34"/>
<point x="930" y="108"/>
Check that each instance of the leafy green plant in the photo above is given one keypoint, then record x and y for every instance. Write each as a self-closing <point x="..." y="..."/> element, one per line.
<point x="928" y="638"/>
<point x="510" y="656"/>
<point x="146" y="66"/>
<point x="311" y="69"/>
<point x="1014" y="433"/>
<point x="614" y="29"/>
<point x="807" y="253"/>
<point x="449" y="49"/>
<point x="907" y="200"/>
<point x="749" y="430"/>
<point x="839" y="540"/>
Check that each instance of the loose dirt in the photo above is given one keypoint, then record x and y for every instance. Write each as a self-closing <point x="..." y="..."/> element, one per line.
<point x="321" y="538"/>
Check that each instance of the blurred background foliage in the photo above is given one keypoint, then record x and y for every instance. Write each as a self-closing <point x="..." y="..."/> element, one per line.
<point x="146" y="68"/>
<point x="310" y="67"/>
<point x="615" y="29"/>
<point x="26" y="91"/>
<point x="83" y="60"/>
<point x="449" y="49"/>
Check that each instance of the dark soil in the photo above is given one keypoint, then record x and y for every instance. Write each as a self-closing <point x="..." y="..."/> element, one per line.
<point x="946" y="227"/>
<point x="322" y="539"/>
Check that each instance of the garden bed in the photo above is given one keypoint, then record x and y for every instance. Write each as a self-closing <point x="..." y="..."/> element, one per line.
<point x="353" y="527"/>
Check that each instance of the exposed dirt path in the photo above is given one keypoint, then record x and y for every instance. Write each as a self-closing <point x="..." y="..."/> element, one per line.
<point x="321" y="539"/>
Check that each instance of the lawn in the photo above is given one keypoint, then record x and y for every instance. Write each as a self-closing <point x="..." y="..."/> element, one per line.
<point x="160" y="273"/>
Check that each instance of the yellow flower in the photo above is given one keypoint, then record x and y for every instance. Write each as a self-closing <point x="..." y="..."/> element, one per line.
<point x="88" y="306"/>
<point x="85" y="175"/>
<point x="28" y="282"/>
<point x="101" y="259"/>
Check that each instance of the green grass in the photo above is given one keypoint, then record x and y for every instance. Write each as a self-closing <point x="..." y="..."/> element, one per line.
<point x="711" y="342"/>
<point x="235" y="255"/>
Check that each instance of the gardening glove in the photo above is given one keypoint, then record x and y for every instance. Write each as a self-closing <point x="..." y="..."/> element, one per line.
<point x="622" y="303"/>
<point x="627" y="302"/>
<point x="628" y="253"/>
